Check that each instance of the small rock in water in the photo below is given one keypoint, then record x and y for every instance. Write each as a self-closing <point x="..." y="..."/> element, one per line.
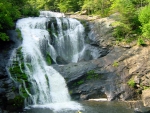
<point x="142" y="110"/>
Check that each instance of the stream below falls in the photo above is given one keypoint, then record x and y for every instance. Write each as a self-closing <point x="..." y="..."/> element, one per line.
<point x="89" y="107"/>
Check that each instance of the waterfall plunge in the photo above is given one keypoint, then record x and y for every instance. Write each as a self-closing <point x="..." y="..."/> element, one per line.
<point x="48" y="86"/>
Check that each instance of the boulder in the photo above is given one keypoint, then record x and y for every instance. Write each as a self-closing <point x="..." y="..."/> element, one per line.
<point x="146" y="97"/>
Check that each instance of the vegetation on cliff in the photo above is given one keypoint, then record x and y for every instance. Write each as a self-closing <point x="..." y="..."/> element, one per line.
<point x="11" y="10"/>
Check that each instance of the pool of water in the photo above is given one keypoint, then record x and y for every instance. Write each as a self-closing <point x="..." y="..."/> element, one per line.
<point x="88" y="107"/>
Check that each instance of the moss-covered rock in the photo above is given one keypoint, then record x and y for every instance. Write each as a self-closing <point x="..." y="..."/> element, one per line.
<point x="15" y="104"/>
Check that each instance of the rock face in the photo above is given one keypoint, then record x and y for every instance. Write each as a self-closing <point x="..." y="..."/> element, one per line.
<point x="8" y="88"/>
<point x="146" y="97"/>
<point x="120" y="74"/>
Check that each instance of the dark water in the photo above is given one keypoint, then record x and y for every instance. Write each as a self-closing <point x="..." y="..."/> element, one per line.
<point x="90" y="107"/>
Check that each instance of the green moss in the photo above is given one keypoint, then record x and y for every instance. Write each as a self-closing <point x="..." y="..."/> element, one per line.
<point x="48" y="59"/>
<point x="86" y="25"/>
<point x="115" y="64"/>
<point x="47" y="80"/>
<point x="17" y="71"/>
<point x="80" y="82"/>
<point x="24" y="92"/>
<point x="19" y="34"/>
<point x="92" y="75"/>
<point x="131" y="83"/>
<point x="17" y="102"/>
<point x="70" y="92"/>
<point x="30" y="67"/>
<point x="52" y="32"/>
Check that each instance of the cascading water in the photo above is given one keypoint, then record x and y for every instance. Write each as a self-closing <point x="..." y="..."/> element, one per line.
<point x="44" y="86"/>
<point x="67" y="37"/>
<point x="69" y="41"/>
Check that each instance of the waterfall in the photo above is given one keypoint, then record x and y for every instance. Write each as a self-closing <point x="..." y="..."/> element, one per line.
<point x="44" y="86"/>
<point x="69" y="41"/>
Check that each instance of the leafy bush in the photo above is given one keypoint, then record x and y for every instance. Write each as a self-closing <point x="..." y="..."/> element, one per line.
<point x="144" y="18"/>
<point x="4" y="37"/>
<point x="146" y="30"/>
<point x="120" y="30"/>
<point x="140" y="41"/>
<point x="29" y="11"/>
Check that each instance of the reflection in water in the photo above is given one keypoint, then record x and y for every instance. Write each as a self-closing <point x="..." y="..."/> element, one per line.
<point x="90" y="107"/>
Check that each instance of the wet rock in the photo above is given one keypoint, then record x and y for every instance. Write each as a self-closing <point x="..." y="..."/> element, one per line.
<point x="75" y="71"/>
<point x="142" y="110"/>
<point x="60" y="60"/>
<point x="6" y="83"/>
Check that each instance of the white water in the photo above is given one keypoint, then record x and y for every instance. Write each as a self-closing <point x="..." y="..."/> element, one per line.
<point x="51" y="14"/>
<point x="48" y="85"/>
<point x="70" y="42"/>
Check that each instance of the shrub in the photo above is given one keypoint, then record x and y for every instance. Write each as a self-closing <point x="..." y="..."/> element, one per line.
<point x="29" y="11"/>
<point x="140" y="41"/>
<point x="115" y="64"/>
<point x="144" y="18"/>
<point x="120" y="30"/>
<point x="131" y="83"/>
<point x="4" y="37"/>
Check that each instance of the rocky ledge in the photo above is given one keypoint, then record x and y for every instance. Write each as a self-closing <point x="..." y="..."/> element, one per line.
<point x="120" y="74"/>
<point x="9" y="93"/>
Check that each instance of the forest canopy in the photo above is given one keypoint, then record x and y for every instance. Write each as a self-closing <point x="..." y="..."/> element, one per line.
<point x="134" y="14"/>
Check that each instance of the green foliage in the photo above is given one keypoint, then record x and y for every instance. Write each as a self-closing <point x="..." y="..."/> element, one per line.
<point x="85" y="24"/>
<point x="146" y="30"/>
<point x="80" y="82"/>
<point x="146" y="87"/>
<point x="144" y="15"/>
<point x="29" y="67"/>
<point x="17" y="102"/>
<point x="144" y="18"/>
<point x="19" y="33"/>
<point x="131" y="83"/>
<point x="70" y="92"/>
<point x="100" y="7"/>
<point x="48" y="59"/>
<point x="4" y="37"/>
<point x="140" y="41"/>
<point x="9" y="13"/>
<point x="69" y="5"/>
<point x="115" y="64"/>
<point x="17" y="71"/>
<point x="128" y="23"/>
<point x="29" y="11"/>
<point x="121" y="30"/>
<point x="91" y="75"/>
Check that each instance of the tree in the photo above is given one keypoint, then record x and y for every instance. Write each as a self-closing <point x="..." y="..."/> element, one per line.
<point x="144" y="18"/>
<point x="70" y="5"/>
<point x="8" y="15"/>
<point x="128" y="12"/>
